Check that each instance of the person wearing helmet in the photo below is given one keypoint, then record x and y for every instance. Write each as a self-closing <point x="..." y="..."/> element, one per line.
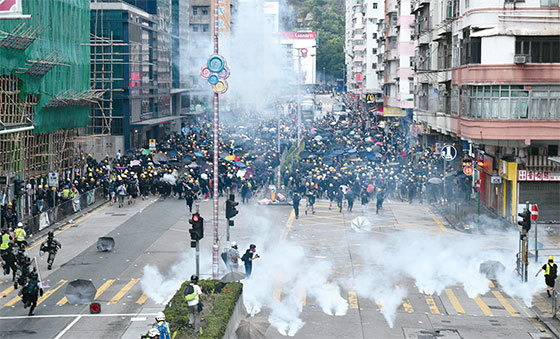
<point x="233" y="258"/>
<point x="152" y="333"/>
<point x="550" y="273"/>
<point x="248" y="258"/>
<point x="192" y="293"/>
<point x="31" y="291"/>
<point x="162" y="326"/>
<point x="20" y="235"/>
<point x="9" y="258"/>
<point x="51" y="246"/>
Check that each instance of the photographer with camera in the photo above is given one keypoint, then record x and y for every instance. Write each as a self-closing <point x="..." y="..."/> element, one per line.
<point x="248" y="258"/>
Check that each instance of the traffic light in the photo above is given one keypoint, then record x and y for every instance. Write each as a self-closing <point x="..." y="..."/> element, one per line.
<point x="526" y="222"/>
<point x="18" y="187"/>
<point x="231" y="211"/>
<point x="197" y="230"/>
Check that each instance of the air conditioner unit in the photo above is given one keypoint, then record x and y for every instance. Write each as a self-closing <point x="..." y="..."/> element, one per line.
<point x="520" y="59"/>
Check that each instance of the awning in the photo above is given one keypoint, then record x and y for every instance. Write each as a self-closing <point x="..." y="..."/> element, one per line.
<point x="156" y="121"/>
<point x="554" y="159"/>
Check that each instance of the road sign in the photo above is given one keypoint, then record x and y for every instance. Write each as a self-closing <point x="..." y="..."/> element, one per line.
<point x="152" y="144"/>
<point x="448" y="152"/>
<point x="304" y="52"/>
<point x="53" y="179"/>
<point x="496" y="179"/>
<point x="468" y="170"/>
<point x="534" y="212"/>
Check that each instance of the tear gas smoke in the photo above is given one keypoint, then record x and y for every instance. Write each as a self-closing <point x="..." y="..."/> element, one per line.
<point x="161" y="286"/>
<point x="436" y="262"/>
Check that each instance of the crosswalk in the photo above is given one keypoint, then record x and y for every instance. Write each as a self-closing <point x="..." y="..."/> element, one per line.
<point x="453" y="300"/>
<point x="109" y="291"/>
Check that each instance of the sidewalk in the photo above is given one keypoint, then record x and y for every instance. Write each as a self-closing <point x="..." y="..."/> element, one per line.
<point x="463" y="216"/>
<point x="542" y="306"/>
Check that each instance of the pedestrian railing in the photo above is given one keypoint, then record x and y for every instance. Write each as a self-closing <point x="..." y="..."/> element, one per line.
<point x="63" y="209"/>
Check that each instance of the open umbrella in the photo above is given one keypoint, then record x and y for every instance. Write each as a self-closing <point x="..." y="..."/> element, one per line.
<point x="239" y="164"/>
<point x="370" y="188"/>
<point x="105" y="244"/>
<point x="379" y="143"/>
<point x="146" y="152"/>
<point x="80" y="291"/>
<point x="360" y="224"/>
<point x="173" y="153"/>
<point x="241" y="173"/>
<point x="198" y="154"/>
<point x="232" y="277"/>
<point x="134" y="163"/>
<point x="491" y="269"/>
<point x="435" y="181"/>
<point x="160" y="157"/>
<point x="318" y="138"/>
<point x="252" y="328"/>
<point x="193" y="165"/>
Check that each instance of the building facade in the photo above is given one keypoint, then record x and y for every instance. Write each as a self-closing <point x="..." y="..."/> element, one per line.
<point x="487" y="74"/>
<point x="142" y="68"/>
<point x="44" y="89"/>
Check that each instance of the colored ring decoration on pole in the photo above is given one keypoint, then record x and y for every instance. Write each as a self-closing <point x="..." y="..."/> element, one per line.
<point x="224" y="73"/>
<point x="220" y="87"/>
<point x="205" y="72"/>
<point x="216" y="63"/>
<point x="213" y="79"/>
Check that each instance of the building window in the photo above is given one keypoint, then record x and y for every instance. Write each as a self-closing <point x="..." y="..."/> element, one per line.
<point x="375" y="5"/>
<point x="205" y="11"/>
<point x="195" y="28"/>
<point x="195" y="11"/>
<point x="412" y="61"/>
<point x="374" y="50"/>
<point x="539" y="49"/>
<point x="374" y="66"/>
<point x="549" y="3"/>
<point x="552" y="150"/>
<point x="470" y="48"/>
<point x="374" y="35"/>
<point x="205" y="27"/>
<point x="511" y="102"/>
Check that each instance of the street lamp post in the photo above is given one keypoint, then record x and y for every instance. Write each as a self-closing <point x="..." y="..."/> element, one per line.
<point x="216" y="244"/>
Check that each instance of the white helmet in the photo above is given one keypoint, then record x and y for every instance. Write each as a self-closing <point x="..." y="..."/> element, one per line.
<point x="20" y="224"/>
<point x="160" y="316"/>
<point x="234" y="244"/>
<point x="153" y="332"/>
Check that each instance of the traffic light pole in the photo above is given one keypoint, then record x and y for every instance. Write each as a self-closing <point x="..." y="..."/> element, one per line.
<point x="536" y="248"/>
<point x="198" y="258"/>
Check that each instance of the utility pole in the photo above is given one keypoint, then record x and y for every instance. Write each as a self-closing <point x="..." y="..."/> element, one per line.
<point x="216" y="245"/>
<point x="298" y="98"/>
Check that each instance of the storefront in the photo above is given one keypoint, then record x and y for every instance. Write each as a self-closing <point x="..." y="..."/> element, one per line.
<point x="542" y="188"/>
<point x="508" y="172"/>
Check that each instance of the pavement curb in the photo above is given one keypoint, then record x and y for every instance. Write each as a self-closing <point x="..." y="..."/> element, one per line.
<point x="547" y="322"/>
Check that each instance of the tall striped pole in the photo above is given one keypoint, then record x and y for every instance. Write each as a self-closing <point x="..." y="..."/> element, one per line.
<point x="216" y="246"/>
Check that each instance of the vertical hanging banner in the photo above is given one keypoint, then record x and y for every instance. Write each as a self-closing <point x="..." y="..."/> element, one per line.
<point x="10" y="9"/>
<point x="224" y="16"/>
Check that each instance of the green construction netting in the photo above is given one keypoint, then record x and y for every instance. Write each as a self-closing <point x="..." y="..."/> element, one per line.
<point x="66" y="30"/>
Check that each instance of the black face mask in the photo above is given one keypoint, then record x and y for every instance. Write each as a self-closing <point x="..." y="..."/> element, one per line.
<point x="550" y="261"/>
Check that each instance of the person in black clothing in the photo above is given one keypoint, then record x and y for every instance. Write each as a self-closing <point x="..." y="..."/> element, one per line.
<point x="295" y="203"/>
<point x="31" y="292"/>
<point x="10" y="261"/>
<point x="379" y="203"/>
<point x="51" y="245"/>
<point x="248" y="258"/>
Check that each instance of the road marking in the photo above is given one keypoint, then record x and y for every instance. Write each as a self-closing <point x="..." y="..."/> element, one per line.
<point x="352" y="299"/>
<point x="51" y="291"/>
<point x="5" y="292"/>
<point x="491" y="284"/>
<point x="119" y="315"/>
<point x="505" y="303"/>
<point x="436" y="220"/>
<point x="535" y="321"/>
<point x="278" y="292"/>
<point x="432" y="305"/>
<point x="304" y="299"/>
<point x="103" y="287"/>
<point x="122" y="292"/>
<point x="62" y="301"/>
<point x="142" y="299"/>
<point x="454" y="301"/>
<point x="485" y="309"/>
<point x="289" y="224"/>
<point x="67" y="328"/>
<point x="13" y="301"/>
<point x="407" y="306"/>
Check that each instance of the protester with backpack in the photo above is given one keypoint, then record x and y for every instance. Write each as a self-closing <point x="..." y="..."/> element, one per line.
<point x="248" y="258"/>
<point x="192" y="293"/>
<point x="30" y="292"/>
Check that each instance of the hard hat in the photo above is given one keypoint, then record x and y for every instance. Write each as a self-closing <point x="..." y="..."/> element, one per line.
<point x="160" y="316"/>
<point x="194" y="278"/>
<point x="234" y="244"/>
<point x="252" y="246"/>
<point x="19" y="224"/>
<point x="551" y="258"/>
<point x="50" y="234"/>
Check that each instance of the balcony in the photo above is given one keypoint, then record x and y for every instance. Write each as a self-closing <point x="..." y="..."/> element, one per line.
<point x="359" y="48"/>
<point x="541" y="163"/>
<point x="358" y="37"/>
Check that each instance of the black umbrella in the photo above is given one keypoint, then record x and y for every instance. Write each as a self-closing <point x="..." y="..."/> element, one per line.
<point x="80" y="291"/>
<point x="252" y="328"/>
<point x="105" y="244"/>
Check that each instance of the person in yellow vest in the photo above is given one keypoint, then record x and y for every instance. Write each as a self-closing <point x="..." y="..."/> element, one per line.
<point x="65" y="193"/>
<point x="550" y="272"/>
<point x="5" y="240"/>
<point x="20" y="235"/>
<point x="74" y="192"/>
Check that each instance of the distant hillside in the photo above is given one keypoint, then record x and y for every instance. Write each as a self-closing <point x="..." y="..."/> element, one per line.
<point x="326" y="17"/>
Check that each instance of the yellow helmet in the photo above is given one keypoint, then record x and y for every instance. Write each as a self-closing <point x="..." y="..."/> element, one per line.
<point x="551" y="258"/>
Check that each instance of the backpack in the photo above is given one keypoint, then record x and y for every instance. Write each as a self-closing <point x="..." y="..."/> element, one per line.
<point x="245" y="256"/>
<point x="32" y="287"/>
<point x="190" y="293"/>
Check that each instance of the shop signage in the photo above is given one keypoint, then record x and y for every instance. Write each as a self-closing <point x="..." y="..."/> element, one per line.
<point x="468" y="170"/>
<point x="530" y="175"/>
<point x="496" y="179"/>
<point x="152" y="144"/>
<point x="10" y="8"/>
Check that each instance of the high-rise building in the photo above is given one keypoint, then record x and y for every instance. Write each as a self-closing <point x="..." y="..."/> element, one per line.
<point x="44" y="88"/>
<point x="487" y="79"/>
